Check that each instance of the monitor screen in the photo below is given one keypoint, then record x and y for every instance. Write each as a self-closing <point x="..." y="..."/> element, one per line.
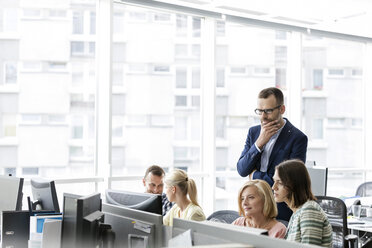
<point x="11" y="193"/>
<point x="318" y="176"/>
<point x="81" y="218"/>
<point x="141" y="201"/>
<point x="44" y="194"/>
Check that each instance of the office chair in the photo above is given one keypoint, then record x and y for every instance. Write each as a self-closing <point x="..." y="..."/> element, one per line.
<point x="336" y="212"/>
<point x="225" y="216"/>
<point x="365" y="189"/>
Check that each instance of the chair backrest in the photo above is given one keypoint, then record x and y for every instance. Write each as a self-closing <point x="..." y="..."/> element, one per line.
<point x="225" y="216"/>
<point x="365" y="189"/>
<point x="336" y="212"/>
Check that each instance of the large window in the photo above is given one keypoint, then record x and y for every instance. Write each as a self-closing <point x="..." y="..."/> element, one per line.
<point x="254" y="58"/>
<point x="158" y="119"/>
<point x="332" y="100"/>
<point x="47" y="92"/>
<point x="167" y="92"/>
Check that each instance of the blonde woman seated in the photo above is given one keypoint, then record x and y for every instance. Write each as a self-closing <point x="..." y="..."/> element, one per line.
<point x="257" y="205"/>
<point x="182" y="190"/>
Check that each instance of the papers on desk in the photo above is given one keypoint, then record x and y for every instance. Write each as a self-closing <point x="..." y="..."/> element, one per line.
<point x="45" y="231"/>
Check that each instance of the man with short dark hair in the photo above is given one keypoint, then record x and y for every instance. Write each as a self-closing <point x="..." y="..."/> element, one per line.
<point x="153" y="182"/>
<point x="272" y="142"/>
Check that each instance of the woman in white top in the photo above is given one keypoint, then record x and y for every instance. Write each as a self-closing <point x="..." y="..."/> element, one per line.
<point x="182" y="190"/>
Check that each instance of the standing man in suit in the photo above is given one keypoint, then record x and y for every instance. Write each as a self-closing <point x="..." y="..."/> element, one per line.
<point x="272" y="142"/>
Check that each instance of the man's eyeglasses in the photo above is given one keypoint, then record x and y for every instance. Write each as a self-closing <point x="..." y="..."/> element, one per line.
<point x="266" y="111"/>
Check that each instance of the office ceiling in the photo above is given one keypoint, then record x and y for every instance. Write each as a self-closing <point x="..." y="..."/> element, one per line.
<point x="346" y="16"/>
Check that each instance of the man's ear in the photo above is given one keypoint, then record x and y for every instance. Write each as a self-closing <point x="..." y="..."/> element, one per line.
<point x="144" y="182"/>
<point x="282" y="109"/>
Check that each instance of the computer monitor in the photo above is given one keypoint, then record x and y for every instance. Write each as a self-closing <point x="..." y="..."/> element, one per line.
<point x="141" y="201"/>
<point x="44" y="195"/>
<point x="319" y="177"/>
<point x="11" y="193"/>
<point x="81" y="219"/>
<point x="134" y="227"/>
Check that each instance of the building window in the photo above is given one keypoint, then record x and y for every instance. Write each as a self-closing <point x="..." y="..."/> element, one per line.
<point x="220" y="127"/>
<point x="220" y="78"/>
<point x="181" y="24"/>
<point x="261" y="71"/>
<point x="181" y="77"/>
<point x="30" y="171"/>
<point x="57" y="66"/>
<point x="8" y="125"/>
<point x="220" y="28"/>
<point x="57" y="13"/>
<point x="281" y="78"/>
<point x="78" y="22"/>
<point x="357" y="72"/>
<point x="280" y="54"/>
<point x="180" y="51"/>
<point x="11" y="74"/>
<point x="138" y="16"/>
<point x="161" y="69"/>
<point x="317" y="128"/>
<point x="196" y="22"/>
<point x="180" y="128"/>
<point x="118" y="23"/>
<point x="336" y="72"/>
<point x="77" y="127"/>
<point x="181" y="101"/>
<point x="318" y="79"/>
<point x="238" y="70"/>
<point x="31" y="66"/>
<point x="196" y="78"/>
<point x="77" y="47"/>
<point x="161" y="17"/>
<point x="92" y="29"/>
<point x="195" y="50"/>
<point x="10" y="23"/>
<point x="195" y="101"/>
<point x="32" y="13"/>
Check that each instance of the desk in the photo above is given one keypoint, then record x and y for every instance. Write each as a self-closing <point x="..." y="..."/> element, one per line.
<point x="360" y="227"/>
<point x="359" y="224"/>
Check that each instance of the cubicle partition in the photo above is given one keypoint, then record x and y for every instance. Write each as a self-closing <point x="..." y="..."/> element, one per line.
<point x="214" y="233"/>
<point x="134" y="228"/>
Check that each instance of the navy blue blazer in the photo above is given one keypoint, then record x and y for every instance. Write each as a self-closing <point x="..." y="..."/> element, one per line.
<point x="291" y="144"/>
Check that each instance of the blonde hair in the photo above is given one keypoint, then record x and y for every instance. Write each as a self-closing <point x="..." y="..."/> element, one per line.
<point x="264" y="190"/>
<point x="187" y="185"/>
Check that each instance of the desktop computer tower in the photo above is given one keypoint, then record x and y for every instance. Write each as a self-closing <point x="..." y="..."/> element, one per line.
<point x="15" y="229"/>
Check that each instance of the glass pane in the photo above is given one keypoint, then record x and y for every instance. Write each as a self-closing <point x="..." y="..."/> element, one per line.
<point x="162" y="89"/>
<point x="248" y="61"/>
<point x="332" y="101"/>
<point x="46" y="125"/>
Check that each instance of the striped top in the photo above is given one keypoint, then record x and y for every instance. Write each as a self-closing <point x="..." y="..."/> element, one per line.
<point x="309" y="225"/>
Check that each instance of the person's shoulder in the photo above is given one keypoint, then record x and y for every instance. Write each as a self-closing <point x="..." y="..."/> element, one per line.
<point x="255" y="128"/>
<point x="239" y="221"/>
<point x="311" y="207"/>
<point x="294" y="129"/>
